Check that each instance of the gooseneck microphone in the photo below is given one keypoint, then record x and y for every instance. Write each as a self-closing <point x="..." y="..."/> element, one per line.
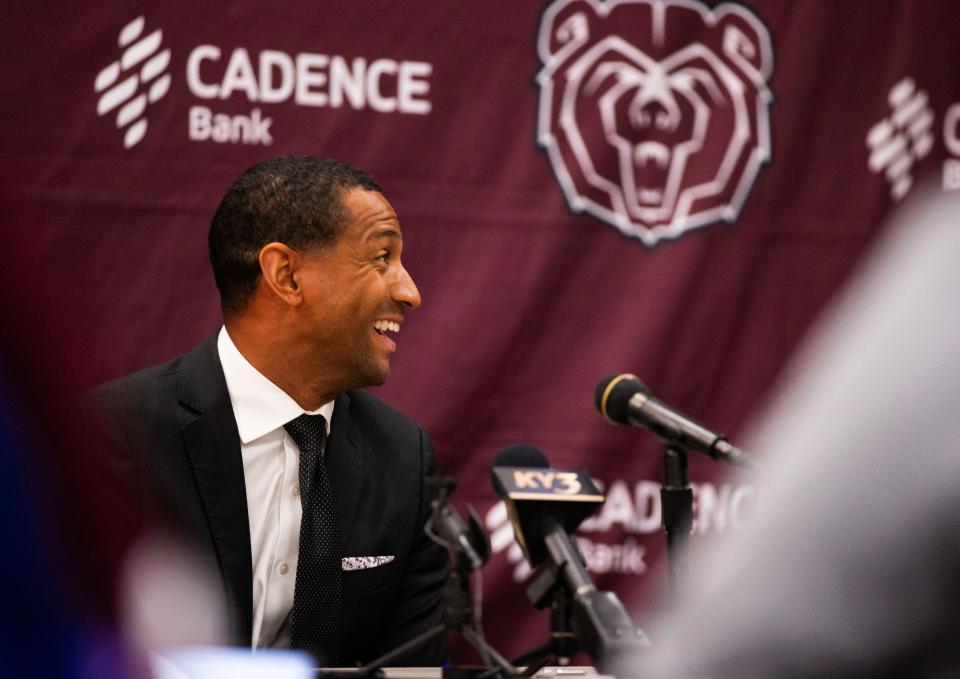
<point x="469" y="549"/>
<point x="447" y="524"/>
<point x="624" y="399"/>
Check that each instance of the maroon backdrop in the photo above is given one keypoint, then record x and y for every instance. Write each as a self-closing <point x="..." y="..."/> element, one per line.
<point x="668" y="188"/>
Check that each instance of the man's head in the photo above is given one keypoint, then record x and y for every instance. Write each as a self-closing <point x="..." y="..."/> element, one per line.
<point x="306" y="253"/>
<point x="295" y="200"/>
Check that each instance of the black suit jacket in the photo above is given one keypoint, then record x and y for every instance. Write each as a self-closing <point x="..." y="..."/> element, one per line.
<point x="176" y="422"/>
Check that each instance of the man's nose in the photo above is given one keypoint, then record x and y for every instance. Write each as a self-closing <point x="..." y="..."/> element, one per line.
<point x="405" y="290"/>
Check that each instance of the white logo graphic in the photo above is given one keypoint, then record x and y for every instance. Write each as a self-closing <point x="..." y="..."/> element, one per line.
<point x="270" y="77"/>
<point x="898" y="141"/>
<point x="140" y="66"/>
<point x="654" y="114"/>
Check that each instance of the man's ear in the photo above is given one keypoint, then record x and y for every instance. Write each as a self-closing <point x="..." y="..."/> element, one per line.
<point x="278" y="269"/>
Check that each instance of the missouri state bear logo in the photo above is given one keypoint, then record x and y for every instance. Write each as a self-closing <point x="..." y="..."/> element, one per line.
<point x="654" y="113"/>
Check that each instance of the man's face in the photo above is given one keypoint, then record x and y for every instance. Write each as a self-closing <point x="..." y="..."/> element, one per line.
<point x="355" y="294"/>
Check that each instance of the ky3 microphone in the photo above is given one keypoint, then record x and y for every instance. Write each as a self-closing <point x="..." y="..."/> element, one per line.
<point x="545" y="506"/>
<point x="541" y="501"/>
<point x="624" y="399"/>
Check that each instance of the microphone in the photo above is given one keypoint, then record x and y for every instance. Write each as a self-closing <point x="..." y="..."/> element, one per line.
<point x="449" y="527"/>
<point x="624" y="399"/>
<point x="545" y="505"/>
<point x="516" y="455"/>
<point x="539" y="499"/>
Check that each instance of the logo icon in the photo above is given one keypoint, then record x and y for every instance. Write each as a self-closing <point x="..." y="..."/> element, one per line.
<point x="902" y="138"/>
<point x="133" y="81"/>
<point x="654" y="113"/>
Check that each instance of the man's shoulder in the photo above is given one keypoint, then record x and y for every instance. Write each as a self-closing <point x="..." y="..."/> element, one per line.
<point x="131" y="401"/>
<point x="382" y="425"/>
<point x="136" y="381"/>
<point x="365" y="404"/>
<point x="154" y="382"/>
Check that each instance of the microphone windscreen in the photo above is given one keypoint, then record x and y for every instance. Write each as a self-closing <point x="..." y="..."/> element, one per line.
<point x="614" y="393"/>
<point x="517" y="455"/>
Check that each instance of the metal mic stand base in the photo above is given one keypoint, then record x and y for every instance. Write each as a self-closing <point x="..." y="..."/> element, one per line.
<point x="546" y="589"/>
<point x="455" y="616"/>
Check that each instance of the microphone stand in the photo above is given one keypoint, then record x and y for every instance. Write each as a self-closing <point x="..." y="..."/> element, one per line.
<point x="676" y="500"/>
<point x="582" y="617"/>
<point x="456" y="616"/>
<point x="546" y="588"/>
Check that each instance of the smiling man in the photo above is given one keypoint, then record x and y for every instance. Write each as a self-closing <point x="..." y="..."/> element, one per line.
<point x="310" y="494"/>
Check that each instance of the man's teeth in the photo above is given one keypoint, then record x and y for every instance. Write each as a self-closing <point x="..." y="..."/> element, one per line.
<point x="383" y="326"/>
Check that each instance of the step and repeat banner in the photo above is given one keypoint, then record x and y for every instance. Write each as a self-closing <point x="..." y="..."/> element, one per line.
<point x="671" y="188"/>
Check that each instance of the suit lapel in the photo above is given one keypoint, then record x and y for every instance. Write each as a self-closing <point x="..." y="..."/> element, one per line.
<point x="212" y="443"/>
<point x="213" y="447"/>
<point x="346" y="459"/>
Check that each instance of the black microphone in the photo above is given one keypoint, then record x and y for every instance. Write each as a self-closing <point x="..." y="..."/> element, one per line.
<point x="545" y="506"/>
<point x="449" y="526"/>
<point x="624" y="399"/>
<point x="517" y="455"/>
<point x="539" y="499"/>
<point x="545" y="532"/>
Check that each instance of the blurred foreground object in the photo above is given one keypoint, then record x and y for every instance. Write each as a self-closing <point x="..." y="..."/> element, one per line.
<point x="853" y="565"/>
<point x="93" y="577"/>
<point x="231" y="663"/>
<point x="68" y="512"/>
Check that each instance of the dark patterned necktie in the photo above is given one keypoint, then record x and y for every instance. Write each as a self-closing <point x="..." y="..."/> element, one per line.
<point x="318" y="594"/>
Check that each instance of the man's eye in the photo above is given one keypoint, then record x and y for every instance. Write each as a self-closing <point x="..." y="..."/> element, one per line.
<point x="383" y="256"/>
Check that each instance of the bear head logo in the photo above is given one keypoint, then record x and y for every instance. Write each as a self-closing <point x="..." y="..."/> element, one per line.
<point x="654" y="113"/>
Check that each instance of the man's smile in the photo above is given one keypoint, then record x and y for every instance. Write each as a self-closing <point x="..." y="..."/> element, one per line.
<point x="382" y="327"/>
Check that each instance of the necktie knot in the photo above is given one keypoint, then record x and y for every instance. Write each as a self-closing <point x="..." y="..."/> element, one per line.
<point x="309" y="431"/>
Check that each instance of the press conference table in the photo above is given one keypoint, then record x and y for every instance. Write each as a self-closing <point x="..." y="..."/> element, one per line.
<point x="232" y="662"/>
<point x="568" y="672"/>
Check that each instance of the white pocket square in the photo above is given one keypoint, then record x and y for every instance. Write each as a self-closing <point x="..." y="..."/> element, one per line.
<point x="356" y="563"/>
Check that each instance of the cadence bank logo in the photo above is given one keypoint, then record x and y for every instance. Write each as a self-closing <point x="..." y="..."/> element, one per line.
<point x="907" y="135"/>
<point x="654" y="113"/>
<point x="142" y="69"/>
<point x="902" y="138"/>
<point x="632" y="510"/>
<point x="271" y="79"/>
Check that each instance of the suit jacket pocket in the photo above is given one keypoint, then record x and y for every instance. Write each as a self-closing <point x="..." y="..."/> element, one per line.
<point x="369" y="580"/>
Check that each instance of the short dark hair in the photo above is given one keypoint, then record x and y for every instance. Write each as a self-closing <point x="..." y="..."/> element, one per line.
<point x="295" y="200"/>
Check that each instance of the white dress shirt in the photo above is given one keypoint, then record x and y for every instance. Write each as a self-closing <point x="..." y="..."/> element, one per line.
<point x="271" y="467"/>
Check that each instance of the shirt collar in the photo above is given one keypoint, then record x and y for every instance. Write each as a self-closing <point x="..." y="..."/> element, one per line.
<point x="259" y="405"/>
